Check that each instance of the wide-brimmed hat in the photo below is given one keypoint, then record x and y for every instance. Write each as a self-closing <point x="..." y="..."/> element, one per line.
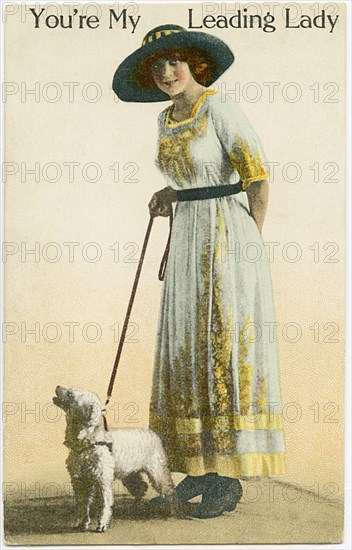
<point x="125" y="83"/>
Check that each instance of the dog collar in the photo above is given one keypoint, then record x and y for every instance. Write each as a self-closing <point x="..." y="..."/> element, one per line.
<point x="107" y="443"/>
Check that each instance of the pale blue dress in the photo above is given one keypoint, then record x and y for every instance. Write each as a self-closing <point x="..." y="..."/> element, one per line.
<point x="216" y="394"/>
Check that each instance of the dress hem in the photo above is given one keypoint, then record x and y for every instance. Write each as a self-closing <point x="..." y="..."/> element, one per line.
<point x="248" y="465"/>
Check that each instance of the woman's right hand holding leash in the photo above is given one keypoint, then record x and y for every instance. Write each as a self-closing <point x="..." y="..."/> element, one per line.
<point x="161" y="202"/>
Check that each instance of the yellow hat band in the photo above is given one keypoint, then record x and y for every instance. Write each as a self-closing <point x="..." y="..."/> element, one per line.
<point x="155" y="35"/>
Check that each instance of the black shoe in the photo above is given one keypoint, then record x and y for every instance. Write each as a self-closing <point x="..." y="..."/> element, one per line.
<point x="190" y="487"/>
<point x="222" y="496"/>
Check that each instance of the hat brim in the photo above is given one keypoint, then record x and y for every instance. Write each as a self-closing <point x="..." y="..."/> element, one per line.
<point x="125" y="85"/>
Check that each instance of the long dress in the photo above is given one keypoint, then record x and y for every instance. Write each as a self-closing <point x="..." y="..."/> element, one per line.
<point x="216" y="394"/>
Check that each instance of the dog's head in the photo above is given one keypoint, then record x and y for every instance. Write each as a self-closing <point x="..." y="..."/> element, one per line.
<point x="83" y="413"/>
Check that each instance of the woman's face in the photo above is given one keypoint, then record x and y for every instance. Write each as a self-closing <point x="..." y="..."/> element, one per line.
<point x="172" y="76"/>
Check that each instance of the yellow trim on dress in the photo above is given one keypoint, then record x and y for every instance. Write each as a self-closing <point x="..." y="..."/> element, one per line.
<point x="221" y="331"/>
<point x="196" y="106"/>
<point x="248" y="181"/>
<point x="245" y="369"/>
<point x="247" y="162"/>
<point x="248" y="422"/>
<point x="246" y="465"/>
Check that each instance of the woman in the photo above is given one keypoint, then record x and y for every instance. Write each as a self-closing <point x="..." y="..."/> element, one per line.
<point x="216" y="397"/>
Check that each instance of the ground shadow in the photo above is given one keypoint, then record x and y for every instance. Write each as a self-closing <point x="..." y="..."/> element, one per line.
<point x="58" y="515"/>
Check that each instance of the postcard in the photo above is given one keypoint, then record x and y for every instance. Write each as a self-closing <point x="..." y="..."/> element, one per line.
<point x="174" y="183"/>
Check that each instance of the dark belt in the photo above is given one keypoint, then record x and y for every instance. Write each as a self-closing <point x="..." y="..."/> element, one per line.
<point x="201" y="193"/>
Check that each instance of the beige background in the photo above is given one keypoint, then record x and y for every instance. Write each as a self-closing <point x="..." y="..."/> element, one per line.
<point x="105" y="212"/>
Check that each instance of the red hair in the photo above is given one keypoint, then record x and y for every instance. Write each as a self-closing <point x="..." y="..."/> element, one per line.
<point x="200" y="66"/>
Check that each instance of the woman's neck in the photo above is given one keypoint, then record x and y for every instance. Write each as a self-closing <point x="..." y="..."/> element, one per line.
<point x="183" y="103"/>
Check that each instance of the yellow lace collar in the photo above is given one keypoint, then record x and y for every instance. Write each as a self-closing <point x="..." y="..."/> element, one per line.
<point x="195" y="109"/>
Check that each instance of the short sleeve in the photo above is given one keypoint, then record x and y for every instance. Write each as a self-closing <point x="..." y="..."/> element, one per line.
<point x="239" y="140"/>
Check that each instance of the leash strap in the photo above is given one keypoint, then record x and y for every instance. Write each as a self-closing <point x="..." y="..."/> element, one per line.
<point x="127" y="318"/>
<point x="130" y="304"/>
<point x="163" y="262"/>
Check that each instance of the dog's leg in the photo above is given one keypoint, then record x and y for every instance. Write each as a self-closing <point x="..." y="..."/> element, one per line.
<point x="161" y="480"/>
<point x="84" y="500"/>
<point x="107" y="499"/>
<point x="136" y="486"/>
<point x="84" y="522"/>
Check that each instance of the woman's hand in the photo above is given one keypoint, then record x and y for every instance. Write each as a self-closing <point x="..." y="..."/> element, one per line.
<point x="161" y="202"/>
<point x="258" y="195"/>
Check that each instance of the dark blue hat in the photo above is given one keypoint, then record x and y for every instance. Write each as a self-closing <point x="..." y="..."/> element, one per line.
<point x="125" y="83"/>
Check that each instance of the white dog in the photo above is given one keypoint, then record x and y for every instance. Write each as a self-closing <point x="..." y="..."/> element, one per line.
<point x="97" y="456"/>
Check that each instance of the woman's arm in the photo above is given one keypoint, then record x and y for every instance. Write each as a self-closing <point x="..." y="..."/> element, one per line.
<point x="245" y="151"/>
<point x="258" y="197"/>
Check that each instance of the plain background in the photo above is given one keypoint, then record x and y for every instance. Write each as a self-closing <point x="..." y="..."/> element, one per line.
<point x="108" y="132"/>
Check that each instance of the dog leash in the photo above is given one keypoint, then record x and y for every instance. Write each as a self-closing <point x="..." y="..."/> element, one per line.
<point x="161" y="276"/>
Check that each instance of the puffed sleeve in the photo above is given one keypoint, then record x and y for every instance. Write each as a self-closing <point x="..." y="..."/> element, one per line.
<point x="239" y="140"/>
